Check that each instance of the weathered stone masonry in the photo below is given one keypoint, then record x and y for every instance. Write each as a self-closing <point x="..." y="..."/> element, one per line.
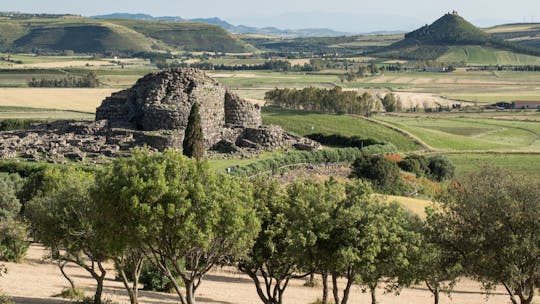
<point x="154" y="112"/>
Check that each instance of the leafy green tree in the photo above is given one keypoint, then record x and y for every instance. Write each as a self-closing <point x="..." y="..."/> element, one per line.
<point x="13" y="244"/>
<point x="438" y="267"/>
<point x="312" y="205"/>
<point x="272" y="254"/>
<point x="491" y="219"/>
<point x="295" y="222"/>
<point x="186" y="218"/>
<point x="396" y="245"/>
<point x="10" y="185"/>
<point x="63" y="217"/>
<point x="382" y="172"/>
<point x="13" y="232"/>
<point x="441" y="168"/>
<point x="392" y="103"/>
<point x="352" y="237"/>
<point x="193" y="145"/>
<point x="417" y="164"/>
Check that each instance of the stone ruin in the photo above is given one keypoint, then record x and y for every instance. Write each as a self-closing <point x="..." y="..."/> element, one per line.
<point x="154" y="112"/>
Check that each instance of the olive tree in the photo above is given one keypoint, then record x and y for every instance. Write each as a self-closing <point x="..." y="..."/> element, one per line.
<point x="352" y="237"/>
<point x="293" y="222"/>
<point x="184" y="217"/>
<point x="396" y="246"/>
<point x="490" y="218"/>
<point x="438" y="267"/>
<point x="63" y="218"/>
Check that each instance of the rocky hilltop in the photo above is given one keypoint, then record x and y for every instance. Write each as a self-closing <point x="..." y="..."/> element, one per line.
<point x="154" y="112"/>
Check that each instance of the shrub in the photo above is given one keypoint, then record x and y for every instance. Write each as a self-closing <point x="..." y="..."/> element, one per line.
<point x="153" y="279"/>
<point x="70" y="293"/>
<point x="417" y="164"/>
<point x="10" y="185"/>
<point x="5" y="299"/>
<point x="383" y="173"/>
<point x="13" y="244"/>
<point x="15" y="124"/>
<point x="342" y="141"/>
<point x="441" y="168"/>
<point x="379" y="149"/>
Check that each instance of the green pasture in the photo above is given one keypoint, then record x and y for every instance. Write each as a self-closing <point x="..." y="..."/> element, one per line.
<point x="303" y="123"/>
<point x="526" y="164"/>
<point x="467" y="134"/>
<point x="482" y="55"/>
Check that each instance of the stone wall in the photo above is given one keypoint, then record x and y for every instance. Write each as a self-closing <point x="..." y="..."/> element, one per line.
<point x="240" y="112"/>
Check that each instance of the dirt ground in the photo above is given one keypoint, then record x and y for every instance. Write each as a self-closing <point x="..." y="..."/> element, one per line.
<point x="36" y="281"/>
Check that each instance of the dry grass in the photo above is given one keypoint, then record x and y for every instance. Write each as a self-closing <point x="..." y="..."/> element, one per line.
<point x="84" y="100"/>
<point x="416" y="206"/>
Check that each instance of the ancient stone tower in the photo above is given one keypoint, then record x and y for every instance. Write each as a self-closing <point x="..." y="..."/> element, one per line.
<point x="162" y="101"/>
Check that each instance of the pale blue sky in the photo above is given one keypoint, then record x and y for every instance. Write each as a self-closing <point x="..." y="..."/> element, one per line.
<point x="349" y="15"/>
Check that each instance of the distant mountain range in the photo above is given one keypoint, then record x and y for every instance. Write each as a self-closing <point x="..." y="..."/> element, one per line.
<point x="57" y="33"/>
<point x="237" y="29"/>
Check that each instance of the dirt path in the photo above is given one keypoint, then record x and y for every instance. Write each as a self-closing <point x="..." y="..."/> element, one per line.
<point x="36" y="281"/>
<point x="413" y="137"/>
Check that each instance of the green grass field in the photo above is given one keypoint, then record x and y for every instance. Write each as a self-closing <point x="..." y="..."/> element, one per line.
<point x="482" y="55"/>
<point x="518" y="163"/>
<point x="302" y="123"/>
<point x="466" y="134"/>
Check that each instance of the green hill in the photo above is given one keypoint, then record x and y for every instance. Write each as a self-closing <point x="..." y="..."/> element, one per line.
<point x="85" y="35"/>
<point x="440" y="39"/>
<point x="189" y="36"/>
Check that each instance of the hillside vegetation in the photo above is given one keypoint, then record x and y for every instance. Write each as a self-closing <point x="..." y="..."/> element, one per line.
<point x="527" y="34"/>
<point x="431" y="42"/>
<point x="84" y="35"/>
<point x="480" y="55"/>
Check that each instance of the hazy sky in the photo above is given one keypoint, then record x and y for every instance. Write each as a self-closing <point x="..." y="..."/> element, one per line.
<point x="349" y="15"/>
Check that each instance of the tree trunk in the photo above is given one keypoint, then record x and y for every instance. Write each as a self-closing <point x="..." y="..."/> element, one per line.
<point x="373" y="290"/>
<point x="435" y="291"/>
<point x="62" y="265"/>
<point x="190" y="290"/>
<point x="325" y="288"/>
<point x="99" y="290"/>
<point x="132" y="291"/>
<point x="510" y="293"/>
<point x="347" y="290"/>
<point x="335" y="289"/>
<point x="526" y="294"/>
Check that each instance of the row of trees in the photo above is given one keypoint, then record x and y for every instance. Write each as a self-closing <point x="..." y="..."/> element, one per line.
<point x="175" y="214"/>
<point x="333" y="100"/>
<point x="90" y="80"/>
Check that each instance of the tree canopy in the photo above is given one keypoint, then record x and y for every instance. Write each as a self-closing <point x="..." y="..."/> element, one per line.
<point x="490" y="218"/>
